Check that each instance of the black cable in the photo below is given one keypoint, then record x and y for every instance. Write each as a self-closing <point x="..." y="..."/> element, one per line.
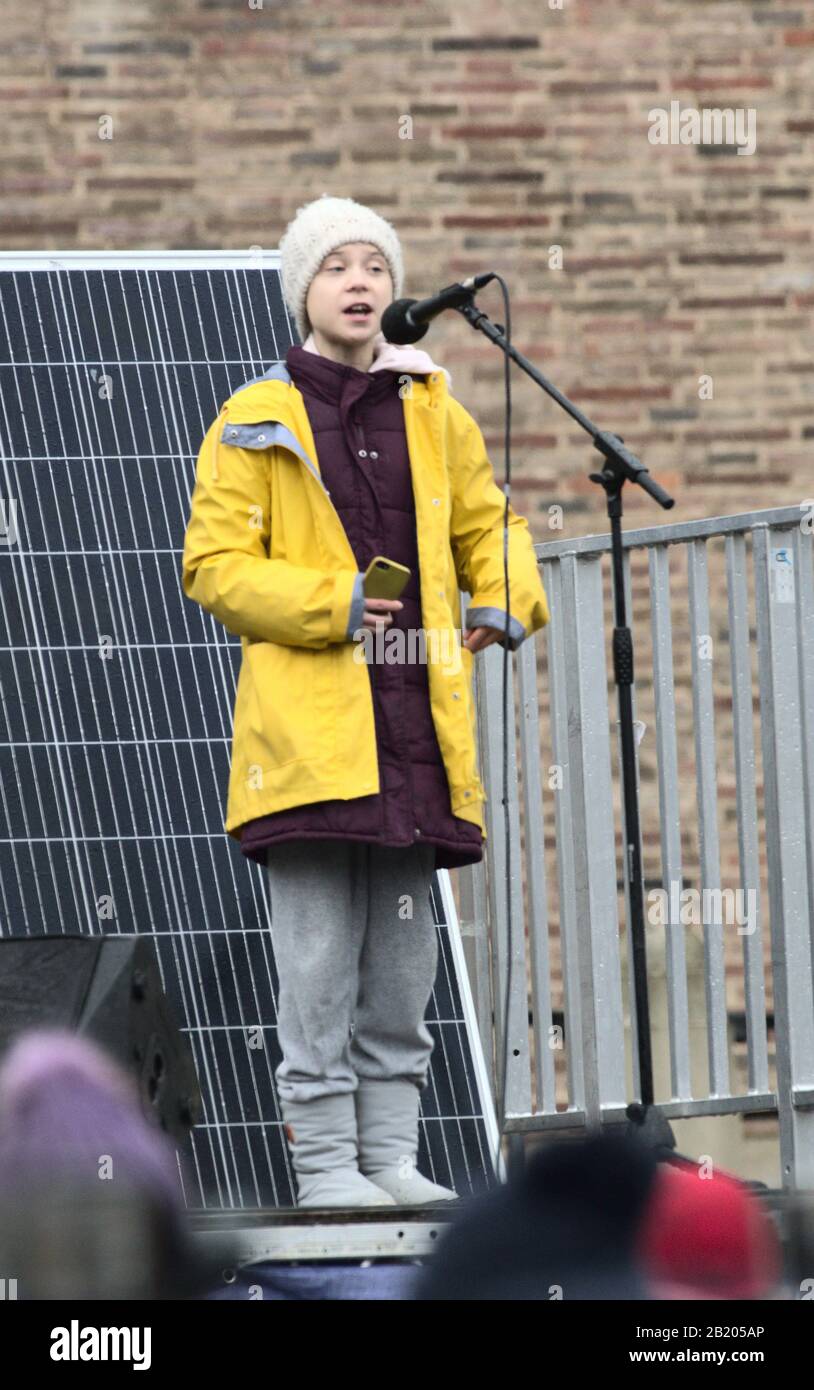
<point x="501" y="1097"/>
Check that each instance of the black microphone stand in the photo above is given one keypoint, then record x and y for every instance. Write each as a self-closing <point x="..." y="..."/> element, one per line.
<point x="644" y="1118"/>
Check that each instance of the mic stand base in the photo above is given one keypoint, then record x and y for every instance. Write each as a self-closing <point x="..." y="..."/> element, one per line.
<point x="648" y="1124"/>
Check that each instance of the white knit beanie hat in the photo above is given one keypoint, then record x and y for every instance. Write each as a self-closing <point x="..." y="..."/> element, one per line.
<point x="318" y="228"/>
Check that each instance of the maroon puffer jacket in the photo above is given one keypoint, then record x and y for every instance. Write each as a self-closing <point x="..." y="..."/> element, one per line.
<point x="357" y="420"/>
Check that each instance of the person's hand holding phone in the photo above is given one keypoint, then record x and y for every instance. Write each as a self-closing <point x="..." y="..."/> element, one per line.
<point x="379" y="612"/>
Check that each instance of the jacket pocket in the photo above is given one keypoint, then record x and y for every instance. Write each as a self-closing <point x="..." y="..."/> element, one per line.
<point x="288" y="702"/>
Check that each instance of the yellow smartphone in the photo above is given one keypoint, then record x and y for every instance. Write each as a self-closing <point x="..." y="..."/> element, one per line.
<point x="384" y="578"/>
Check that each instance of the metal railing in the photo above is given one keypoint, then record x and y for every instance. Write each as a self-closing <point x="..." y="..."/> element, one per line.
<point x="586" y="1059"/>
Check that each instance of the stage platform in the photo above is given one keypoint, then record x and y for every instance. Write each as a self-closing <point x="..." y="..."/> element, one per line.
<point x="324" y="1233"/>
<point x="320" y="1253"/>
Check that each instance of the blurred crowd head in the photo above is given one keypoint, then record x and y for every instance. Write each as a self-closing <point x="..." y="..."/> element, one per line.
<point x="707" y="1235"/>
<point x="91" y="1197"/>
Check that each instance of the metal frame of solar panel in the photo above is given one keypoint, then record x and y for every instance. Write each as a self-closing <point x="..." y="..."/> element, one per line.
<point x="117" y="692"/>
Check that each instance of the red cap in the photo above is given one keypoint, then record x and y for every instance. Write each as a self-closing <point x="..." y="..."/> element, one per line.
<point x="710" y="1236"/>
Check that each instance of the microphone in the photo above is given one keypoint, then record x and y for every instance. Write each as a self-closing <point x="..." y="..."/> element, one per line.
<point x="407" y="320"/>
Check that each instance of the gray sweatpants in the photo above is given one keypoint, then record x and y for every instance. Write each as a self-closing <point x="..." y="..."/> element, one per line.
<point x="356" y="949"/>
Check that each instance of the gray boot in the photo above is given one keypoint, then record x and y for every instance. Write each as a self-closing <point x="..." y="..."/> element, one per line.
<point x="323" y="1144"/>
<point x="387" y="1121"/>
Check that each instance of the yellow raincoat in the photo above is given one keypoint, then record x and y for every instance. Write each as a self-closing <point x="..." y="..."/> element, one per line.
<point x="266" y="553"/>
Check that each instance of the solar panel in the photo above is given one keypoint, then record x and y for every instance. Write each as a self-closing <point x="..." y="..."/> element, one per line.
<point x="117" y="691"/>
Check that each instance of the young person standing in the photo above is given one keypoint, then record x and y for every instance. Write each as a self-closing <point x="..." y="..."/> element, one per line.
<point x="353" y="780"/>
